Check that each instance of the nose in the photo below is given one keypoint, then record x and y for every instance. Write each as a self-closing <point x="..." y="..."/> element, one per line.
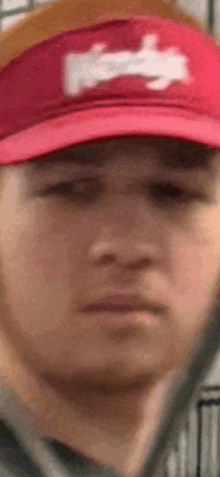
<point x="126" y="253"/>
<point x="128" y="234"/>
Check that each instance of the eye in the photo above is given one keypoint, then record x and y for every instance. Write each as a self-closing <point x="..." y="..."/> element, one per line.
<point x="84" y="189"/>
<point x="167" y="193"/>
<point x="63" y="188"/>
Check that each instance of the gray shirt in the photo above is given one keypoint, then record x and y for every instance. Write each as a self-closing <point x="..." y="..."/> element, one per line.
<point x="23" y="453"/>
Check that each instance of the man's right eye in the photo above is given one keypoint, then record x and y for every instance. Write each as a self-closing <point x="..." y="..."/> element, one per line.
<point x="63" y="188"/>
<point x="85" y="189"/>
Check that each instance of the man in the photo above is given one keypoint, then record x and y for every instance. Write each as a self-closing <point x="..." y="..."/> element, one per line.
<point x="110" y="238"/>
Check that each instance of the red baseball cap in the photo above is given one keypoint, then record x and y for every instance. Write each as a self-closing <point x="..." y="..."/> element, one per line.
<point x="133" y="73"/>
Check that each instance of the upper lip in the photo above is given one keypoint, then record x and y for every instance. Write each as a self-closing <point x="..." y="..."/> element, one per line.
<point x="123" y="303"/>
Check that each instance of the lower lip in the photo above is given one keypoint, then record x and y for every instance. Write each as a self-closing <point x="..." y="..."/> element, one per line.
<point x="124" y="318"/>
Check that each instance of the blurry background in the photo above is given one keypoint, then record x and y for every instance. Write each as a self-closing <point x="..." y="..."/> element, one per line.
<point x="197" y="452"/>
<point x="207" y="10"/>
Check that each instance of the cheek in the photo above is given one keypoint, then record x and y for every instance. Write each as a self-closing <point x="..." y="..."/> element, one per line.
<point x="195" y="283"/>
<point x="41" y="269"/>
<point x="45" y="244"/>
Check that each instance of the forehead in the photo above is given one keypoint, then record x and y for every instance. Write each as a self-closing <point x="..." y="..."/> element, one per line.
<point x="169" y="153"/>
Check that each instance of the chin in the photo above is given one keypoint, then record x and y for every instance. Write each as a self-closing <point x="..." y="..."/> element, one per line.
<point x="120" y="376"/>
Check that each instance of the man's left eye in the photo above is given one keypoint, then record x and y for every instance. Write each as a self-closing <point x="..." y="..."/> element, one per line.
<point x="167" y="193"/>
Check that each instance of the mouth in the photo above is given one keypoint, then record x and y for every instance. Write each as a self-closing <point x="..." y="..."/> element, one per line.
<point x="120" y="310"/>
<point x="126" y="319"/>
<point x="131" y="310"/>
<point x="97" y="308"/>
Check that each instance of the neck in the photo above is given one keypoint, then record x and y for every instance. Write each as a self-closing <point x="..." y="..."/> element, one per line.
<point x="113" y="429"/>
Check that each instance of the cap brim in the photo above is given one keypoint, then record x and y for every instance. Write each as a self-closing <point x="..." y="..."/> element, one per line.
<point x="95" y="124"/>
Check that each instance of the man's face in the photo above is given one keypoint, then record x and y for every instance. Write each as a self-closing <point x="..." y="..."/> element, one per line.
<point x="116" y="217"/>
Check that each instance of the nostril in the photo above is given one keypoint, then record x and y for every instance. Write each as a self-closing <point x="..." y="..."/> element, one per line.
<point x="107" y="259"/>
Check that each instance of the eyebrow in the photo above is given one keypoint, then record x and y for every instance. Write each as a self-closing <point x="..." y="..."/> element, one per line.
<point x="172" y="154"/>
<point x="187" y="156"/>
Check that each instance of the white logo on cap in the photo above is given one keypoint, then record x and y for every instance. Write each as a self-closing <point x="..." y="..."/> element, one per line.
<point x="86" y="70"/>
